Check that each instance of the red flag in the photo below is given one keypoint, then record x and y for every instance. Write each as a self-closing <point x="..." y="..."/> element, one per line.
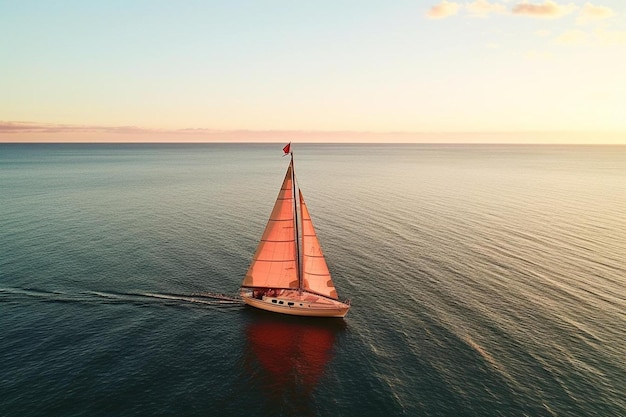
<point x="287" y="148"/>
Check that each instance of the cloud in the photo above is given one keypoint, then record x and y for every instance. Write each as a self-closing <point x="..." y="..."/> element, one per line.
<point x="29" y="127"/>
<point x="595" y="38"/>
<point x="573" y="37"/>
<point x="609" y="38"/>
<point x="32" y="132"/>
<point x="592" y="13"/>
<point x="482" y="8"/>
<point x="548" y="10"/>
<point x="443" y="10"/>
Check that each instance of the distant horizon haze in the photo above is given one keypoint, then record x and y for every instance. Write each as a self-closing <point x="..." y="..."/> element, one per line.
<point x="25" y="132"/>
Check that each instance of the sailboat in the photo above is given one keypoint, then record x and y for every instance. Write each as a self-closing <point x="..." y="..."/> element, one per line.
<point x="288" y="273"/>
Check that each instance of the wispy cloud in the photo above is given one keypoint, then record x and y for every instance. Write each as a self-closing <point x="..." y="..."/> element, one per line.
<point x="29" y="132"/>
<point x="615" y="37"/>
<point x="57" y="130"/>
<point x="11" y="131"/>
<point x="30" y="127"/>
<point x="548" y="10"/>
<point x="482" y="8"/>
<point x="443" y="10"/>
<point x="572" y="37"/>
<point x="592" y="13"/>
<point x="599" y="37"/>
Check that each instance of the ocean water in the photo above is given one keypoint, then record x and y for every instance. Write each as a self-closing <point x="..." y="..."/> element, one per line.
<point x="485" y="280"/>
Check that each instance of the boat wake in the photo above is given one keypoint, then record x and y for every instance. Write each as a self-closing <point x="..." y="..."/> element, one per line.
<point x="205" y="298"/>
<point x="201" y="298"/>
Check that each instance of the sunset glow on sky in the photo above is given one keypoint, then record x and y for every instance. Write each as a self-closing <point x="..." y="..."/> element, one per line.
<point x="399" y="71"/>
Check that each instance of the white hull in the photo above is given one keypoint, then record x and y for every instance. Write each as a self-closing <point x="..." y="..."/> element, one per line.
<point x="299" y="305"/>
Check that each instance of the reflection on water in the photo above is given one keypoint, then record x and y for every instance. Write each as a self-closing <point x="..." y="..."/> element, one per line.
<point x="288" y="356"/>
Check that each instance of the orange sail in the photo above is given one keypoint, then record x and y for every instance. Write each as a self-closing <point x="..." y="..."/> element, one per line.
<point x="315" y="275"/>
<point x="274" y="264"/>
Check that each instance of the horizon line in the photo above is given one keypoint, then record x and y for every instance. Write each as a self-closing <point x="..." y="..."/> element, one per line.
<point x="35" y="132"/>
<point x="320" y="143"/>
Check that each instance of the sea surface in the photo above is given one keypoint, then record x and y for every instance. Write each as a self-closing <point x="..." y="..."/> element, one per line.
<point x="485" y="280"/>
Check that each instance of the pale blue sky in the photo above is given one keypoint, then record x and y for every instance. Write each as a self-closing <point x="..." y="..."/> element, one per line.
<point x="358" y="66"/>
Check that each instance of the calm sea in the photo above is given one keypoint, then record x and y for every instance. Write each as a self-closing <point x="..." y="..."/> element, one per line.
<point x="485" y="281"/>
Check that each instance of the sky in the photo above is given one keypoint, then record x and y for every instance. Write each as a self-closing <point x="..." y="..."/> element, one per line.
<point x="522" y="71"/>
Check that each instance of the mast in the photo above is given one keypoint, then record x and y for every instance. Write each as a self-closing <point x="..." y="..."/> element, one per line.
<point x="295" y="220"/>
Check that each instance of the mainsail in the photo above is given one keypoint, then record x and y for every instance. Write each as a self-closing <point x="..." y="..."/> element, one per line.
<point x="315" y="275"/>
<point x="274" y="264"/>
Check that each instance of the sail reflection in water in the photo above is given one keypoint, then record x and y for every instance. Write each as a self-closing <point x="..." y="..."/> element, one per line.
<point x="289" y="357"/>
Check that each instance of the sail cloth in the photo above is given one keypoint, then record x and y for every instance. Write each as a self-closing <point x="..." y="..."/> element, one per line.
<point x="315" y="274"/>
<point x="274" y="264"/>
